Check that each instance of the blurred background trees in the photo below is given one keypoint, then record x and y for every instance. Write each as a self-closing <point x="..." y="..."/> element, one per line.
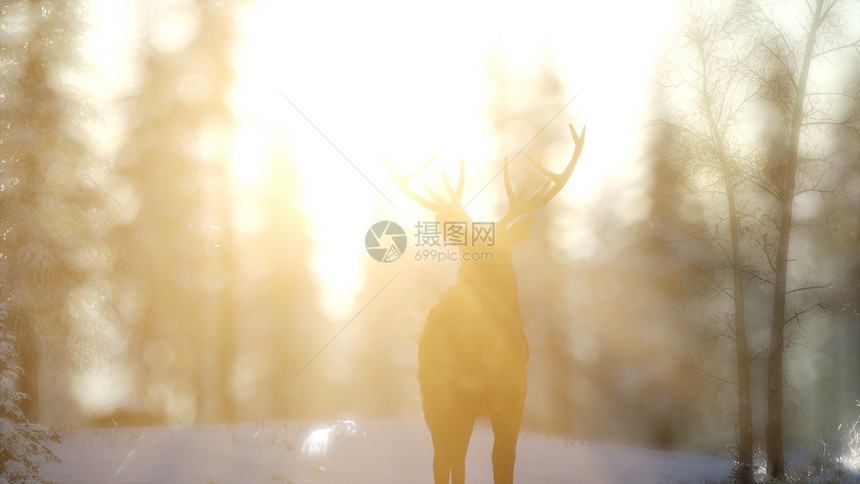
<point x="174" y="240"/>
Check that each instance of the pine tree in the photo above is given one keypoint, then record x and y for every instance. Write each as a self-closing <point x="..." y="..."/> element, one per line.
<point x="23" y="445"/>
<point x="283" y="327"/>
<point x="47" y="193"/>
<point x="174" y="236"/>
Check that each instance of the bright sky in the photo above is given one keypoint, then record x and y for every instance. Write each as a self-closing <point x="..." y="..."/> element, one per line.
<point x="391" y="82"/>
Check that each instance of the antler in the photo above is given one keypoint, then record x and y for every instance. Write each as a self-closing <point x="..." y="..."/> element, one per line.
<point x="518" y="204"/>
<point x="453" y="207"/>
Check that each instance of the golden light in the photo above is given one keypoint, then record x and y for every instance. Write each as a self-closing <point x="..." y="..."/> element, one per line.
<point x="356" y="90"/>
<point x="250" y="160"/>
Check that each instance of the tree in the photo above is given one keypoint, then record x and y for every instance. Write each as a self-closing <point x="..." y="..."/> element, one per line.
<point x="676" y="256"/>
<point x="48" y="197"/>
<point x="796" y="63"/>
<point x="22" y="444"/>
<point x="746" y="65"/>
<point x="707" y="135"/>
<point x="157" y="237"/>
<point x="282" y="326"/>
<point x="215" y="43"/>
<point x="173" y="234"/>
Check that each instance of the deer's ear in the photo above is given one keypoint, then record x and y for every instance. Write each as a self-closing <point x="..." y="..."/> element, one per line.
<point x="520" y="229"/>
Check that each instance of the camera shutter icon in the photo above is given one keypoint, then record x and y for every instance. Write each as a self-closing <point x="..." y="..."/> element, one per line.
<point x="385" y="241"/>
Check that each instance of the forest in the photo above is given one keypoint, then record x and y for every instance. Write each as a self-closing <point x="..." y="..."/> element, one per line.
<point x="188" y="190"/>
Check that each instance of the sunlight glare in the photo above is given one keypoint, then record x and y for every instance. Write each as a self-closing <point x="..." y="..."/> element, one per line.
<point x="382" y="92"/>
<point x="249" y="157"/>
<point x="851" y="456"/>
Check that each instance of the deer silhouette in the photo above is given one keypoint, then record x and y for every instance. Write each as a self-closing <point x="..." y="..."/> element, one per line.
<point x="472" y="354"/>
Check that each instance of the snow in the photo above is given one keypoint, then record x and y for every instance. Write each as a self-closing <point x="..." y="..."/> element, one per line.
<point x="377" y="451"/>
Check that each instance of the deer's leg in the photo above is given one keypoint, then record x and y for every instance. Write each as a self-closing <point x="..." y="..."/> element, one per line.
<point x="506" y="430"/>
<point x="460" y="440"/>
<point x="451" y="435"/>
<point x="439" y="432"/>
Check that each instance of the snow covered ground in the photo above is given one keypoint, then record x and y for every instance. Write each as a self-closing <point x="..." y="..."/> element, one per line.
<point x="377" y="451"/>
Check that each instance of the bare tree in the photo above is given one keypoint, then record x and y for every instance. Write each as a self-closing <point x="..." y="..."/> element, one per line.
<point x="803" y="109"/>
<point x="713" y="77"/>
<point x="746" y="61"/>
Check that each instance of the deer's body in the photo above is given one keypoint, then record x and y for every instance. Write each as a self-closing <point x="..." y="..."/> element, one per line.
<point x="472" y="362"/>
<point x="472" y="355"/>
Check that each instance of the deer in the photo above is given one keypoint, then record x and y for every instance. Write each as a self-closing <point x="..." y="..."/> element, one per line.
<point x="472" y="353"/>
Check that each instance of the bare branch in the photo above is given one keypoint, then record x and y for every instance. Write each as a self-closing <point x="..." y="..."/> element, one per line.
<point x="854" y="45"/>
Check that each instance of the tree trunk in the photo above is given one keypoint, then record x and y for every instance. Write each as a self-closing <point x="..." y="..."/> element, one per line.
<point x="32" y="194"/>
<point x="745" y="428"/>
<point x="775" y="457"/>
<point x="30" y="378"/>
<point x="227" y="320"/>
<point x="142" y="335"/>
<point x="745" y="425"/>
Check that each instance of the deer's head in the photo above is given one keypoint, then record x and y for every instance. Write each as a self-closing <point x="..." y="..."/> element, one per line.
<point x="489" y="264"/>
